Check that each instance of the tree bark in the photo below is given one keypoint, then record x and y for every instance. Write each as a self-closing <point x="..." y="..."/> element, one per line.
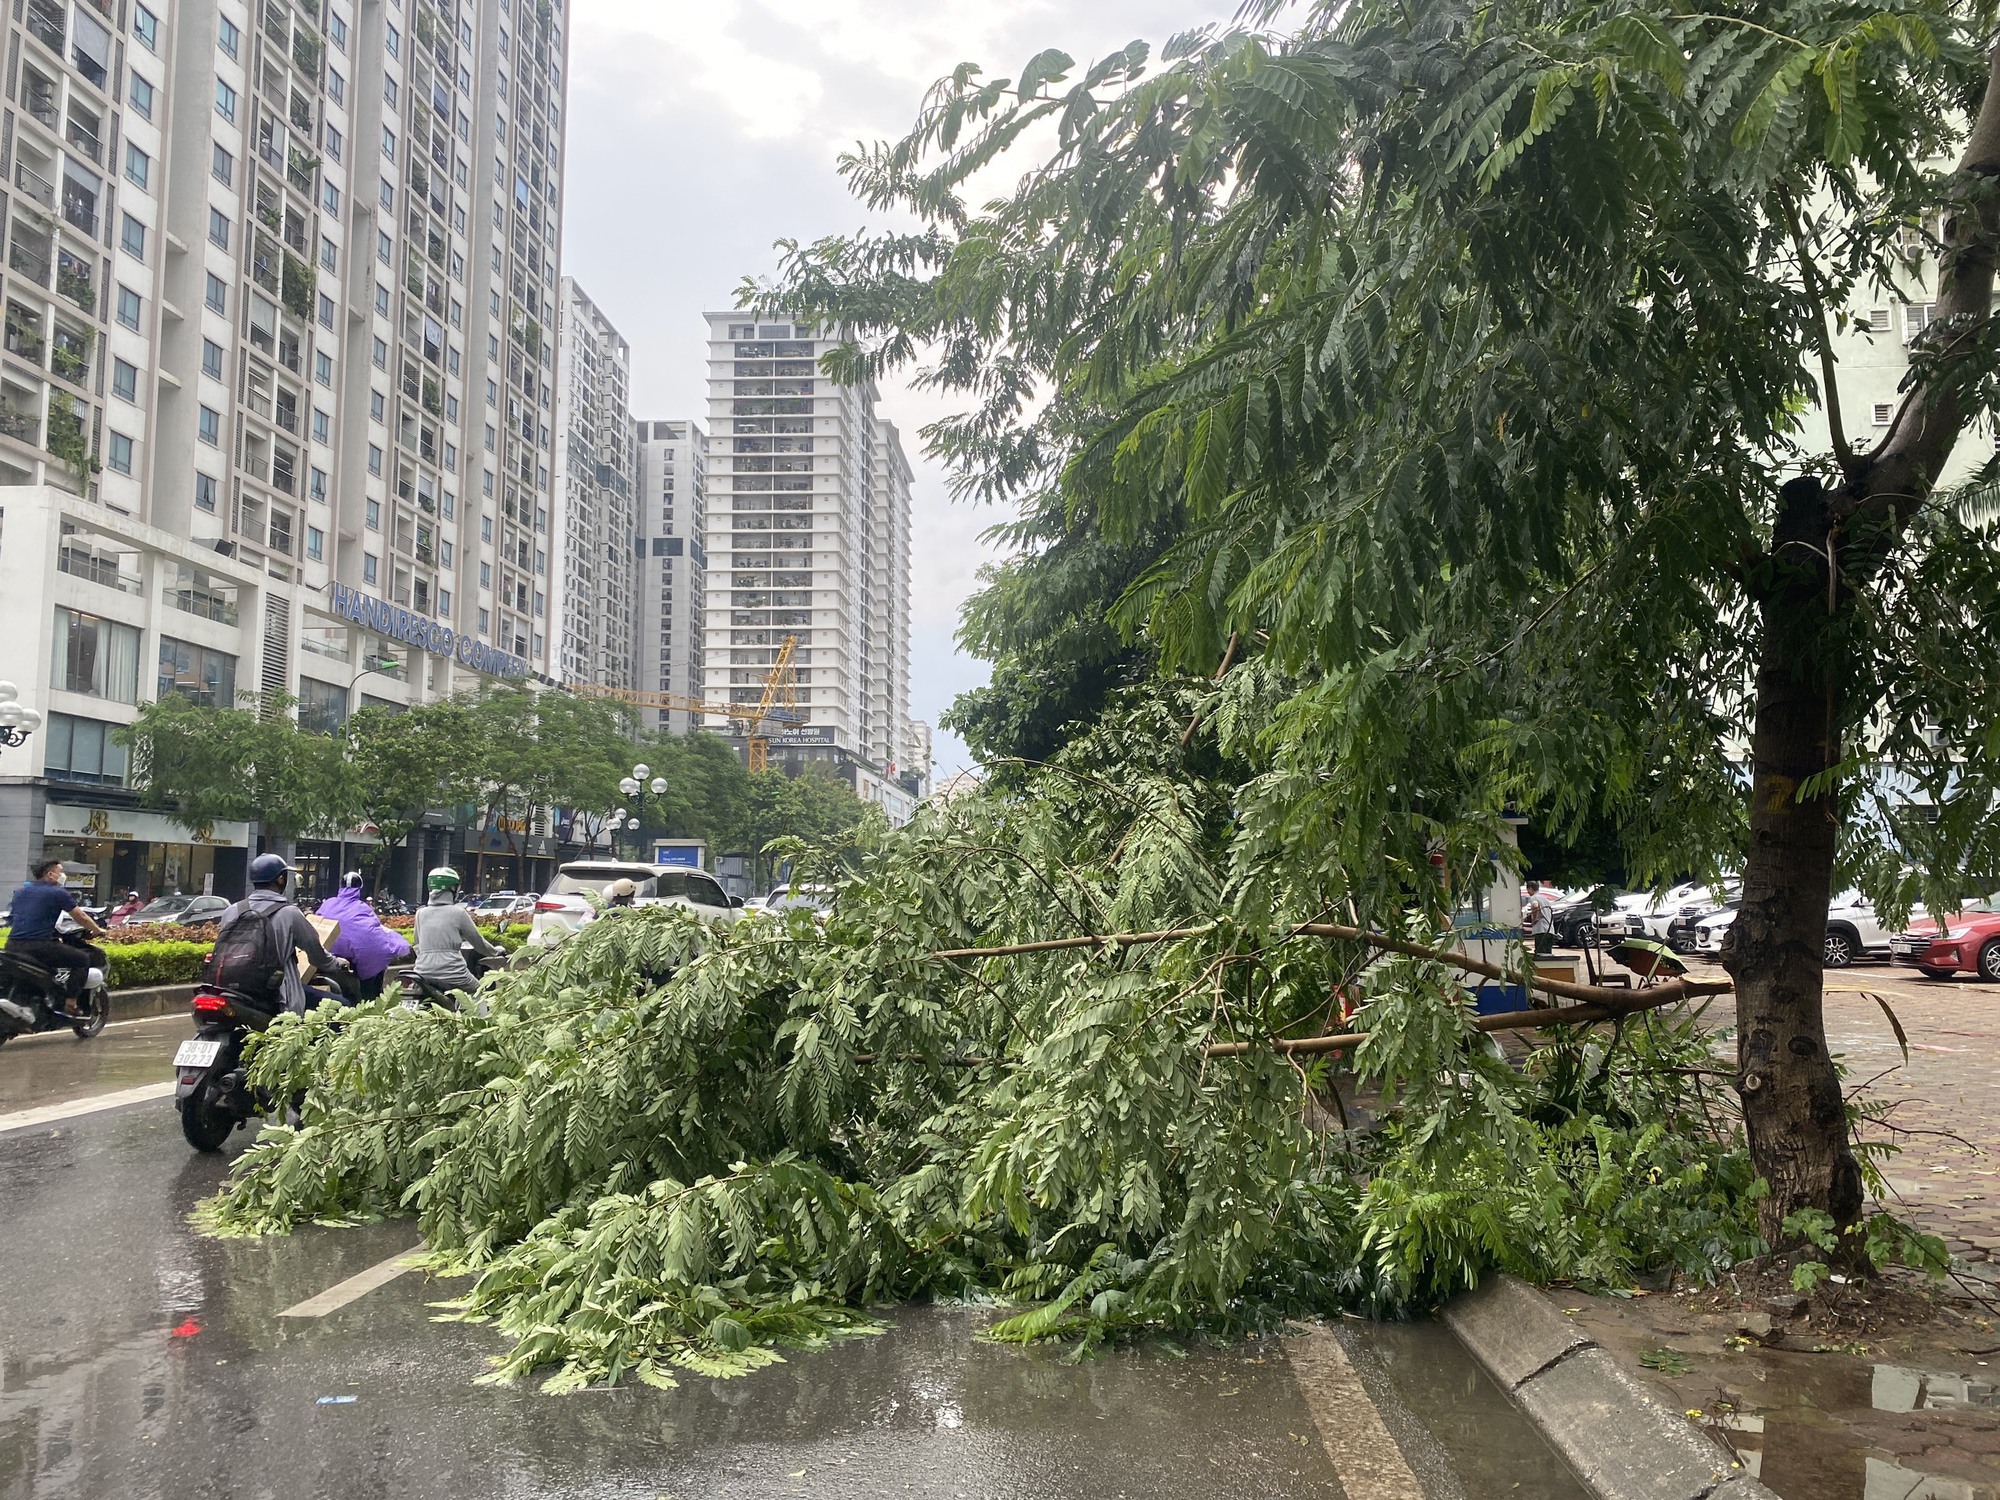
<point x="1811" y="686"/>
<point x="1776" y="948"/>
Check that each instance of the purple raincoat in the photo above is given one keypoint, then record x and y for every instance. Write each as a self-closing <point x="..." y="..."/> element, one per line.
<point x="363" y="941"/>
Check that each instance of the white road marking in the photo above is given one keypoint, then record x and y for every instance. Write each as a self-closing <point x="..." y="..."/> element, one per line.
<point x="49" y="1114"/>
<point x="1365" y="1457"/>
<point x="360" y="1285"/>
<point x="65" y="1036"/>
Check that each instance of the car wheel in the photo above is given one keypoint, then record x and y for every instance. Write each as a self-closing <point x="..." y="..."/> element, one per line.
<point x="1840" y="946"/>
<point x="1929" y="973"/>
<point x="1989" y="962"/>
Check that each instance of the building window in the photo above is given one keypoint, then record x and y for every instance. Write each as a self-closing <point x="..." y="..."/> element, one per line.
<point x="375" y="460"/>
<point x="385" y="248"/>
<point x="124" y="380"/>
<point x="118" y="454"/>
<point x="318" y="484"/>
<point x="225" y="101"/>
<point x="325" y="310"/>
<point x="388" y="143"/>
<point x="336" y="87"/>
<point x="388" y="196"/>
<point x="322" y="427"/>
<point x="138" y="166"/>
<point x="337" y="29"/>
<point x="374" y="515"/>
<point x="315" y="544"/>
<point x="209" y="426"/>
<point x="377" y="406"/>
<point x="444" y="602"/>
<point x="450" y="505"/>
<point x="211" y="359"/>
<point x="334" y="143"/>
<point x="218" y="228"/>
<point x="322" y="706"/>
<point x="369" y="567"/>
<point x="132" y="237"/>
<point x="389" y="91"/>
<point x="486" y="575"/>
<point x="451" y="458"/>
<point x="392" y="39"/>
<point x="228" y="38"/>
<point x="382" y="300"/>
<point x="141" y="95"/>
<point x="146" y="27"/>
<point x="331" y="198"/>
<point x="222" y="166"/>
<point x="329" y="254"/>
<point x="444" y="554"/>
<point x="204" y="492"/>
<point x="95" y="656"/>
<point x="381" y="355"/>
<point x="197" y="673"/>
<point x="82" y="750"/>
<point x="217" y="295"/>
<point x="323" y="368"/>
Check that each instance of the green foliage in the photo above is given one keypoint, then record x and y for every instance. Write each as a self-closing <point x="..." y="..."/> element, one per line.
<point x="665" y="1146"/>
<point x="202" y="765"/>
<point x="135" y="964"/>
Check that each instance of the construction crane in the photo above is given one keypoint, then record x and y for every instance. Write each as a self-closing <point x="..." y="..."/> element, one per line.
<point x="779" y="706"/>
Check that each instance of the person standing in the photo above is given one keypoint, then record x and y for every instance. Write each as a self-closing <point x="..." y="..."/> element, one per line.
<point x="1538" y="918"/>
<point x="363" y="940"/>
<point x="38" y="905"/>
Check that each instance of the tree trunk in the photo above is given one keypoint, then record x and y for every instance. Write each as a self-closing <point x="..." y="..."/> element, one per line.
<point x="1775" y="950"/>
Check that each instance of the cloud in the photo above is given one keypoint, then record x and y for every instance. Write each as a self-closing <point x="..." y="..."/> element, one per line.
<point x="700" y="133"/>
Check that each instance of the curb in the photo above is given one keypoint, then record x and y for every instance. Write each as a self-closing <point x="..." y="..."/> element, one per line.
<point x="153" y="1000"/>
<point x="1621" y="1440"/>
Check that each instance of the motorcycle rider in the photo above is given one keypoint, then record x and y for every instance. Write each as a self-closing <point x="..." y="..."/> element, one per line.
<point x="38" y="905"/>
<point x="125" y="910"/>
<point x="444" y="930"/>
<point x="270" y="893"/>
<point x="363" y="941"/>
<point x="622" y="893"/>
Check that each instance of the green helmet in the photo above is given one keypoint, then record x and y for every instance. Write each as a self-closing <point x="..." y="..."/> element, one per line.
<point x="443" y="878"/>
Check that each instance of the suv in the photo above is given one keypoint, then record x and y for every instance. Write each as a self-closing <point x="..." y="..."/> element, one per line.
<point x="563" y="909"/>
<point x="1853" y="931"/>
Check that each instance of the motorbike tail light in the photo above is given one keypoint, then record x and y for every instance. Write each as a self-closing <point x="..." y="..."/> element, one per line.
<point x="210" y="1004"/>
<point x="551" y="906"/>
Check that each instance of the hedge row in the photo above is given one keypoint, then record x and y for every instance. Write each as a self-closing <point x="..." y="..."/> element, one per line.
<point x="136" y="964"/>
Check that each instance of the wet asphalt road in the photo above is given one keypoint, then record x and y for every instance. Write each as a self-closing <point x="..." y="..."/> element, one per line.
<point x="147" y="1362"/>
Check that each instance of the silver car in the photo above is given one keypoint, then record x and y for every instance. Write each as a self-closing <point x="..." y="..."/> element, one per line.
<point x="564" y="909"/>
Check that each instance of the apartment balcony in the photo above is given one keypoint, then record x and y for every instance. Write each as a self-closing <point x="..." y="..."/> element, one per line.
<point x="79" y="208"/>
<point x="24" y="338"/>
<point x="38" y="97"/>
<point x="69" y="355"/>
<point x="35" y="185"/>
<point x="83" y="137"/>
<point x="48" y="23"/>
<point x="80" y="563"/>
<point x="30" y="252"/>
<point x="75" y="280"/>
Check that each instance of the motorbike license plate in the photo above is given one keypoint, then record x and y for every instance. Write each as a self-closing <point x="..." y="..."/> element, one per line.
<point x="197" y="1053"/>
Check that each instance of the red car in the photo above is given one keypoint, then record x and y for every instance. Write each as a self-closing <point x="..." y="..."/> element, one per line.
<point x="1970" y="944"/>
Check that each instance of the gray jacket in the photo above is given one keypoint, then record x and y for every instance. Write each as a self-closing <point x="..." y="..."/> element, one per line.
<point x="294" y="934"/>
<point x="442" y="927"/>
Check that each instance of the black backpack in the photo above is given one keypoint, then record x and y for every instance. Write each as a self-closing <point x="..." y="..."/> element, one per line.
<point x="248" y="958"/>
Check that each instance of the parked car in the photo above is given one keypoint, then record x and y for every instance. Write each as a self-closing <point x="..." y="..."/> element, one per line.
<point x="563" y="909"/>
<point x="1645" y="914"/>
<point x="505" y="904"/>
<point x="1681" y="934"/>
<point x="1968" y="944"/>
<point x="1853" y="931"/>
<point x="784" y="898"/>
<point x="184" y="911"/>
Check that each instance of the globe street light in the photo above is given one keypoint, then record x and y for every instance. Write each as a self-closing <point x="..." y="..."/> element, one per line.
<point x="17" y="720"/>
<point x="636" y="786"/>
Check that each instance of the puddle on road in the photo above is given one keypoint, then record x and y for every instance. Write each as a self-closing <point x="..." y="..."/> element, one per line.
<point x="1819" y="1427"/>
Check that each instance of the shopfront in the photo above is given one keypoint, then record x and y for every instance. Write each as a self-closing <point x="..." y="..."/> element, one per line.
<point x="117" y="850"/>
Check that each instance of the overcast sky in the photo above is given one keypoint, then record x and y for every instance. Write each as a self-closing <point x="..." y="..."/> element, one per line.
<point x="700" y="131"/>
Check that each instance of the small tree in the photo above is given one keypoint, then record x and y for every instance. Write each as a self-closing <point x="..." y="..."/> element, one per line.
<point x="408" y="763"/>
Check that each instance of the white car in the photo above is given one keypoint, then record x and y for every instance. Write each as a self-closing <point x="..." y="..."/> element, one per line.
<point x="562" y="909"/>
<point x="1646" y="915"/>
<point x="1853" y="931"/>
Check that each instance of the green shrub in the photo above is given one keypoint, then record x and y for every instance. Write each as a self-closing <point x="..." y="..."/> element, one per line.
<point x="135" y="964"/>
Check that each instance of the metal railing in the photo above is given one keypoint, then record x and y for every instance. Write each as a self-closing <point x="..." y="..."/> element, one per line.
<point x="35" y="185"/>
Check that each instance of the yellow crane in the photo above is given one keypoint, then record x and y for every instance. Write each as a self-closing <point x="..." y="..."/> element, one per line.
<point x="779" y="705"/>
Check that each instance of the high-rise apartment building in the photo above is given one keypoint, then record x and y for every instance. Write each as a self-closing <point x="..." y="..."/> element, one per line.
<point x="808" y="537"/>
<point x="277" y="391"/>
<point x="670" y="591"/>
<point x="595" y="513"/>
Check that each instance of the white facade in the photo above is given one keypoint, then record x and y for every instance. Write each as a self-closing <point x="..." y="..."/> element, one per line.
<point x="671" y="604"/>
<point x="281" y="294"/>
<point x="808" y="537"/>
<point x="595" y="510"/>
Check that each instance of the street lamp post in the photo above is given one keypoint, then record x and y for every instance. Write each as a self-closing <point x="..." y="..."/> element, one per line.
<point x="17" y="720"/>
<point x="636" y="786"/>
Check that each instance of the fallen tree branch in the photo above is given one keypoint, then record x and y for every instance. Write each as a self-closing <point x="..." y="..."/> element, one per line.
<point x="1611" y="999"/>
<point x="1656" y="998"/>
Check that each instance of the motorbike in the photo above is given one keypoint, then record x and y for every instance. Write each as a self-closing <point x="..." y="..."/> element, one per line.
<point x="212" y="1092"/>
<point x="31" y="996"/>
<point x="419" y="992"/>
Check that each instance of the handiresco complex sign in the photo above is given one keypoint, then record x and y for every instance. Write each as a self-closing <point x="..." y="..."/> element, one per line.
<point x="400" y="624"/>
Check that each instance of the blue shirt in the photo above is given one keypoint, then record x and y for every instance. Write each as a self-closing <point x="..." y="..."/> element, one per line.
<point x="37" y="904"/>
